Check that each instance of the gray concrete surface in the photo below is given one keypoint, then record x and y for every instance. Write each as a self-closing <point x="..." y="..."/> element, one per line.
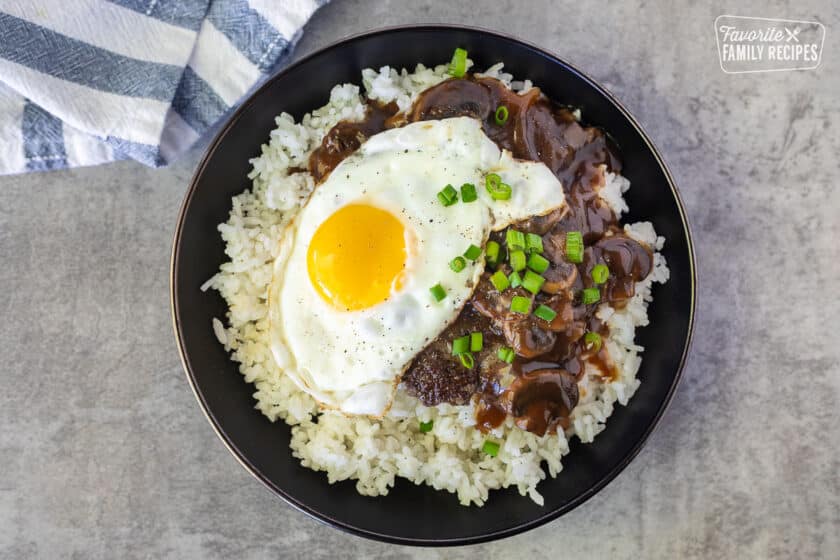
<point x="105" y="454"/>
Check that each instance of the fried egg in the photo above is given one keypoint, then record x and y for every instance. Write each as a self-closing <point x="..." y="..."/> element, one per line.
<point x="350" y="302"/>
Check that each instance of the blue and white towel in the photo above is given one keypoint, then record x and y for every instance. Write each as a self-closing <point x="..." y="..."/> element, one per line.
<point x="84" y="82"/>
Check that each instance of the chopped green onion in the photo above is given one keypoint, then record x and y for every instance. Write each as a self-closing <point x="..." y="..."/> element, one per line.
<point x="458" y="264"/>
<point x="426" y="427"/>
<point x="520" y="304"/>
<point x="458" y="65"/>
<point x="491" y="253"/>
<point x="472" y="252"/>
<point x="533" y="243"/>
<point x="506" y="354"/>
<point x="600" y="273"/>
<point x="591" y="295"/>
<point x="499" y="281"/>
<point x="538" y="263"/>
<point x="467" y="360"/>
<point x="490" y="447"/>
<point x="517" y="260"/>
<point x="545" y="313"/>
<point x="514" y="279"/>
<point x="532" y="282"/>
<point x="501" y="115"/>
<point x="497" y="189"/>
<point x="461" y="345"/>
<point x="593" y="341"/>
<point x="468" y="193"/>
<point x="438" y="292"/>
<point x="574" y="246"/>
<point x="448" y="196"/>
<point x="515" y="240"/>
<point x="476" y="342"/>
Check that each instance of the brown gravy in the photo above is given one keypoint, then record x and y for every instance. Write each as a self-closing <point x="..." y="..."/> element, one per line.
<point x="540" y="389"/>
<point x="347" y="136"/>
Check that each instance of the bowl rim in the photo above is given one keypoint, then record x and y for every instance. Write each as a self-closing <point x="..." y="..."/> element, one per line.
<point x="301" y="506"/>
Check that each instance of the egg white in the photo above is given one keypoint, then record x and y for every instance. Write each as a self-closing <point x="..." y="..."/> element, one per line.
<point x="352" y="360"/>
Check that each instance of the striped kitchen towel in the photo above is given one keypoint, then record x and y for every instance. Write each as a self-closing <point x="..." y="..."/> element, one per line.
<point x="84" y="82"/>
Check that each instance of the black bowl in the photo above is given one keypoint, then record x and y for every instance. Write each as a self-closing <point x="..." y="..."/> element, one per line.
<point x="417" y="514"/>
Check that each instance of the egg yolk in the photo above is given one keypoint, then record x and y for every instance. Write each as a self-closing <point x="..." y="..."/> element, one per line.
<point x="357" y="257"/>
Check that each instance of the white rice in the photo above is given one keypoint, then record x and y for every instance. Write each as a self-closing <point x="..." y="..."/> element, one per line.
<point x="375" y="452"/>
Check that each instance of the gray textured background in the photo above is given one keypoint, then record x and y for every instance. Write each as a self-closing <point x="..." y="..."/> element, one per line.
<point x="104" y="452"/>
